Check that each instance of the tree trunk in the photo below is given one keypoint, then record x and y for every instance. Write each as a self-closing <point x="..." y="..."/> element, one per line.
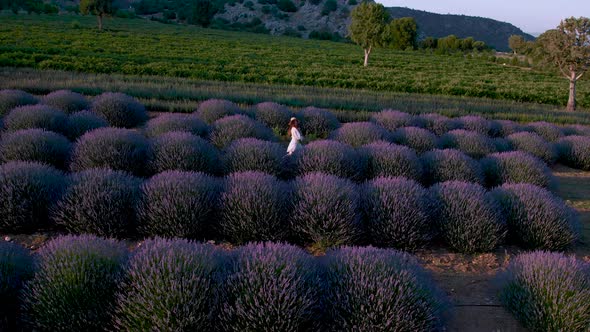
<point x="99" y="18"/>
<point x="571" y="103"/>
<point x="367" y="52"/>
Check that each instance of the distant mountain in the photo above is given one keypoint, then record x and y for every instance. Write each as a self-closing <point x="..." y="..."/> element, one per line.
<point x="492" y="32"/>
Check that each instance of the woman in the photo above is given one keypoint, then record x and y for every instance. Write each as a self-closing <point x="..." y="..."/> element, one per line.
<point x="295" y="136"/>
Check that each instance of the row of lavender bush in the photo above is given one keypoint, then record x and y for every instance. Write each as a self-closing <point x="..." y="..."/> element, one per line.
<point x="314" y="209"/>
<point x="84" y="283"/>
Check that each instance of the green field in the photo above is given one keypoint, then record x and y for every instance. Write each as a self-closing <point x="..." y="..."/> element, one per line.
<point x="141" y="47"/>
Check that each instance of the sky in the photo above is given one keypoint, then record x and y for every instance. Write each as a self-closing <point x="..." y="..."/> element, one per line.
<point x="532" y="16"/>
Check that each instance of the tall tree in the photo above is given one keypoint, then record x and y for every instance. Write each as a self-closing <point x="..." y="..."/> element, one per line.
<point x="402" y="33"/>
<point x="100" y="8"/>
<point x="367" y="26"/>
<point x="516" y="43"/>
<point x="568" y="48"/>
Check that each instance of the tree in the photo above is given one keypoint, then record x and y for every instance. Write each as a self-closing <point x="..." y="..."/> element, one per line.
<point x="100" y="8"/>
<point x="201" y="13"/>
<point x="568" y="48"/>
<point x="367" y="26"/>
<point x="401" y="33"/>
<point x="517" y="44"/>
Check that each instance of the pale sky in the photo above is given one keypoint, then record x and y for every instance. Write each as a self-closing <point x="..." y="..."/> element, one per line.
<point x="529" y="15"/>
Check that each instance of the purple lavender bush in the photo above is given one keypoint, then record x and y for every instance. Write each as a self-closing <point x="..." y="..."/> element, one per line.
<point x="115" y="148"/>
<point x="67" y="101"/>
<point x="317" y="122"/>
<point x="508" y="127"/>
<point x="178" y="204"/>
<point x="36" y="116"/>
<point x="120" y="110"/>
<point x="253" y="208"/>
<point x="386" y="159"/>
<point x="537" y="219"/>
<point x="471" y="143"/>
<point x="360" y="133"/>
<point x="325" y="210"/>
<point x="416" y="138"/>
<point x="516" y="167"/>
<point x="396" y="213"/>
<point x="212" y="110"/>
<point x="391" y="120"/>
<point x="169" y="122"/>
<point x="574" y="151"/>
<point x="183" y="151"/>
<point x="28" y="191"/>
<point x="251" y="154"/>
<point x="533" y="144"/>
<point x="99" y="201"/>
<point x="370" y="289"/>
<point x="502" y="144"/>
<point x="16" y="267"/>
<point x="476" y="123"/>
<point x="548" y="131"/>
<point x="449" y="165"/>
<point x="10" y="99"/>
<point x="230" y="128"/>
<point x="273" y="115"/>
<point x="331" y="157"/>
<point x="74" y="288"/>
<point x="576" y="130"/>
<point x="440" y="124"/>
<point x="80" y="123"/>
<point x="35" y="145"/>
<point x="469" y="219"/>
<point x="547" y="291"/>
<point x="270" y="287"/>
<point x="170" y="285"/>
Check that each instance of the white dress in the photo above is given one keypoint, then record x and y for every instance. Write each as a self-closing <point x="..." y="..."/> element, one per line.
<point x="295" y="138"/>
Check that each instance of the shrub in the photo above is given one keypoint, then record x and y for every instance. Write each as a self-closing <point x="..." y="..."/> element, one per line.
<point x="273" y="115"/>
<point x="536" y="219"/>
<point x="385" y="159"/>
<point x="576" y="130"/>
<point x="28" y="191"/>
<point x="230" y="128"/>
<point x="99" y="201"/>
<point x="212" y="110"/>
<point x="359" y="133"/>
<point x="325" y="210"/>
<point x="178" y="204"/>
<point x="396" y="213"/>
<point x="547" y="291"/>
<point x="502" y="144"/>
<point x="183" y="151"/>
<point x="75" y="285"/>
<point x="170" y="286"/>
<point x="10" y="99"/>
<point x="251" y="154"/>
<point x="533" y="144"/>
<point x="471" y="143"/>
<point x="82" y="122"/>
<point x="318" y="122"/>
<point x="120" y="110"/>
<point x="391" y="120"/>
<point x="574" y="151"/>
<point x="331" y="157"/>
<point x="67" y="101"/>
<point x="36" y="116"/>
<point x="16" y="267"/>
<point x="252" y="208"/>
<point x="271" y="287"/>
<point x="35" y="145"/>
<point x="166" y="123"/>
<point x="440" y="124"/>
<point x="449" y="165"/>
<point x="468" y="217"/>
<point x="516" y="167"/>
<point x="370" y="289"/>
<point x="548" y="131"/>
<point x="416" y="138"/>
<point x="115" y="148"/>
<point x="507" y="127"/>
<point x="476" y="123"/>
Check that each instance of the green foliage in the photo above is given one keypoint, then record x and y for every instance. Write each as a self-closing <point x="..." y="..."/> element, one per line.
<point x="99" y="8"/>
<point x="287" y="6"/>
<point x="401" y="33"/>
<point x="329" y="6"/>
<point x="368" y="23"/>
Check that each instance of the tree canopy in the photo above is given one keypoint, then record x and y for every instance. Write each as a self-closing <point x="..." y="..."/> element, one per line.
<point x="100" y="8"/>
<point x="367" y="26"/>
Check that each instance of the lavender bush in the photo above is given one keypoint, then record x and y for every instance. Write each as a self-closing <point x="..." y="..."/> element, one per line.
<point x="574" y="151"/>
<point x="75" y="284"/>
<point x="80" y="123"/>
<point x="270" y="287"/>
<point x="397" y="213"/>
<point x="502" y="144"/>
<point x="370" y="289"/>
<point x="536" y="218"/>
<point x="28" y="191"/>
<point x="548" y="131"/>
<point x="548" y="291"/>
<point x="317" y="122"/>
<point x="386" y="159"/>
<point x="359" y="133"/>
<point x="230" y="128"/>
<point x="476" y="123"/>
<point x="468" y="217"/>
<point x="516" y="167"/>
<point x="508" y="127"/>
<point x="35" y="145"/>
<point x="448" y="165"/>
<point x="115" y="148"/>
<point x="120" y="110"/>
<point x="391" y="120"/>
<point x="166" y="123"/>
<point x="212" y="110"/>
<point x="10" y="99"/>
<point x="533" y="144"/>
<point x="440" y="124"/>
<point x="251" y="154"/>
<point x="185" y="152"/>
<point x="99" y="201"/>
<point x="36" y="116"/>
<point x="416" y="138"/>
<point x="178" y="204"/>
<point x="170" y="285"/>
<point x="16" y="267"/>
<point x="273" y="115"/>
<point x="331" y="157"/>
<point x="471" y="143"/>
<point x="67" y="101"/>
<point x="576" y="130"/>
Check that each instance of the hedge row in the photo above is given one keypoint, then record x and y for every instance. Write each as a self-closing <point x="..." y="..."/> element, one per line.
<point x="314" y="209"/>
<point x="85" y="283"/>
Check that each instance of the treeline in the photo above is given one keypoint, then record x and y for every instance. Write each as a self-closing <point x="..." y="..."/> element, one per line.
<point x="452" y="44"/>
<point x="30" y="6"/>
